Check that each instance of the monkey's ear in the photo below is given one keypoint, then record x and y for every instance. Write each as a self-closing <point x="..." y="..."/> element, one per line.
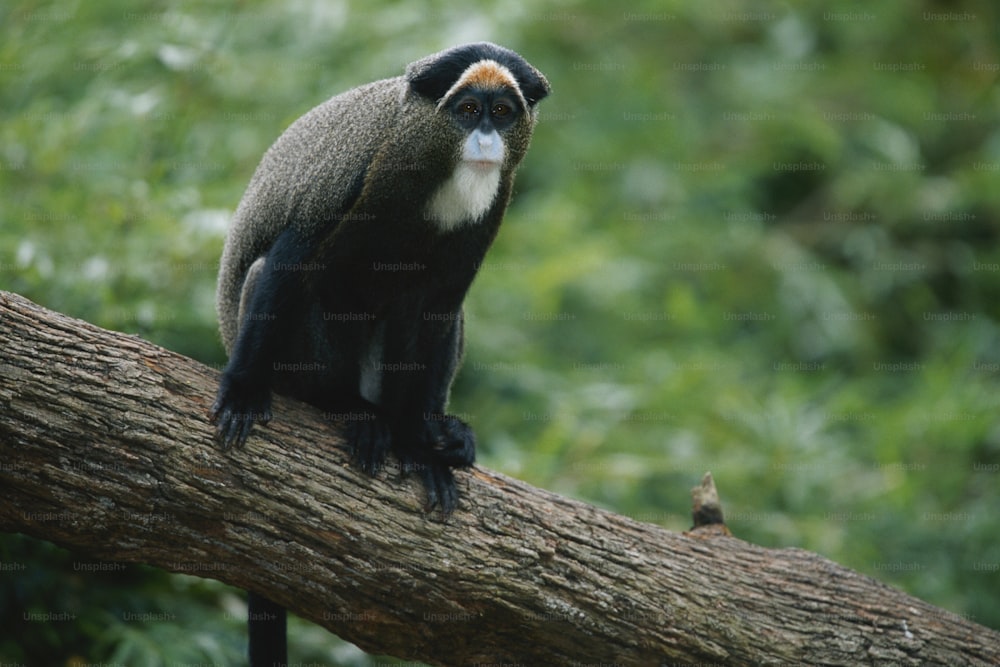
<point x="534" y="86"/>
<point x="433" y="76"/>
<point x="432" y="84"/>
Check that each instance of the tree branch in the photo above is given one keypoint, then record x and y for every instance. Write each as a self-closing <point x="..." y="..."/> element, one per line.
<point x="106" y="449"/>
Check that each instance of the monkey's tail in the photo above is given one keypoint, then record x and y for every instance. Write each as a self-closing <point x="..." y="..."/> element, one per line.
<point x="266" y="627"/>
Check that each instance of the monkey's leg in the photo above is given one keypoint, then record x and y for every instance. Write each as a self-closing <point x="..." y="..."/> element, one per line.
<point x="273" y="309"/>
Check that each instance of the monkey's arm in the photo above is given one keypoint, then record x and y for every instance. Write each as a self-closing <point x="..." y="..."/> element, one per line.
<point x="244" y="396"/>
<point x="449" y="440"/>
<point x="425" y="438"/>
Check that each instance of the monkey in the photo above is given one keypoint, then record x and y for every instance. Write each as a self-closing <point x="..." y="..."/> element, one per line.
<point x="345" y="268"/>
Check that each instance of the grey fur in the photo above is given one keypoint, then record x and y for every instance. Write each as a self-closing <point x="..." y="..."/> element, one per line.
<point x="305" y="168"/>
<point x="398" y="141"/>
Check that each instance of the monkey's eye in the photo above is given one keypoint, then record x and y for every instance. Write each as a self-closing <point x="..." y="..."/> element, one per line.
<point x="501" y="110"/>
<point x="468" y="108"/>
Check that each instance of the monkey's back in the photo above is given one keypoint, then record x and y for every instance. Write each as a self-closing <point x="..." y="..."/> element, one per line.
<point x="308" y="177"/>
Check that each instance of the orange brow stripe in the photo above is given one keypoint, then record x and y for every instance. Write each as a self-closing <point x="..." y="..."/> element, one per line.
<point x="488" y="75"/>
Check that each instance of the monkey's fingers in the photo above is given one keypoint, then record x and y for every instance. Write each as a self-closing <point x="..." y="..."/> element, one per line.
<point x="441" y="490"/>
<point x="231" y="431"/>
<point x="234" y="418"/>
<point x="369" y="440"/>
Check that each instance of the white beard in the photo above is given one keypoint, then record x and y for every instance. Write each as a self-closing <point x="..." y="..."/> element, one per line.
<point x="465" y="196"/>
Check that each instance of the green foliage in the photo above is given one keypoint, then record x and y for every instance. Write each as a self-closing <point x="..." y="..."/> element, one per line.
<point x="758" y="239"/>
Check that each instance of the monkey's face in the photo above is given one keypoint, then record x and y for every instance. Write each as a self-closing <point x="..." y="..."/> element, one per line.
<point x="486" y="103"/>
<point x="485" y="115"/>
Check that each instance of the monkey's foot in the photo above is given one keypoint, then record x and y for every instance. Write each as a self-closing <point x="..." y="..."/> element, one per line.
<point x="442" y="442"/>
<point x="441" y="489"/>
<point x="238" y="406"/>
<point x="371" y="441"/>
<point x="450" y="441"/>
<point x="369" y="438"/>
<point x="440" y="485"/>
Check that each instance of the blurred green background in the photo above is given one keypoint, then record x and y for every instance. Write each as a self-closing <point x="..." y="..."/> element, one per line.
<point x="753" y="238"/>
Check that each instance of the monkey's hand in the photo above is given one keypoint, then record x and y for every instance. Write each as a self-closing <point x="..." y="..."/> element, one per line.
<point x="238" y="405"/>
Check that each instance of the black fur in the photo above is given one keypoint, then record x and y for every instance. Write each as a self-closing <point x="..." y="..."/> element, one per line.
<point x="394" y="271"/>
<point x="433" y="82"/>
<point x="267" y="627"/>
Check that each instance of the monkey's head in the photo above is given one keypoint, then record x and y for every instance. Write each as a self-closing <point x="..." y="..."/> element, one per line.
<point x="487" y="92"/>
<point x="480" y="104"/>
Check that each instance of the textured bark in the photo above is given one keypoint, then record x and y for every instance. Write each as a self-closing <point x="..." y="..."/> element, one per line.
<point x="106" y="449"/>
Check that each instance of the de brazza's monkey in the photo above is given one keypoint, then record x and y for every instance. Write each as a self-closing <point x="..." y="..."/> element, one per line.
<point x="349" y="257"/>
<point x="344" y="271"/>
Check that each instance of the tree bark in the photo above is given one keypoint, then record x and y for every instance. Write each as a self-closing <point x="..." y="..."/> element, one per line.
<point x="106" y="449"/>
